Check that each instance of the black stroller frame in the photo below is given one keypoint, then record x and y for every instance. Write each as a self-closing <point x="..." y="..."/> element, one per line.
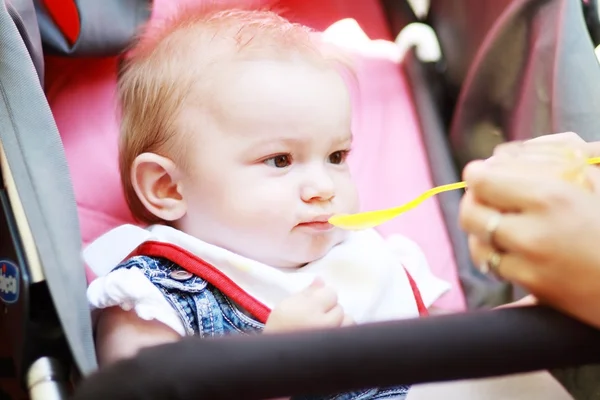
<point x="44" y="312"/>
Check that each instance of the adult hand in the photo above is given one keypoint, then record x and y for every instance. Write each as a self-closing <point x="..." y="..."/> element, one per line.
<point x="548" y="235"/>
<point x="569" y="139"/>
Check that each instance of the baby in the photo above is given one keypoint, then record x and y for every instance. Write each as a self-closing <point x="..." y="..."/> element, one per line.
<point x="236" y="128"/>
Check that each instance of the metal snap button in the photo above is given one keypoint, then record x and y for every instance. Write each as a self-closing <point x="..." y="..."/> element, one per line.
<point x="181" y="275"/>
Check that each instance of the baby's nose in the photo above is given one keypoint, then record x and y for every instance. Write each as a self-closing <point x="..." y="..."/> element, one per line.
<point x="320" y="188"/>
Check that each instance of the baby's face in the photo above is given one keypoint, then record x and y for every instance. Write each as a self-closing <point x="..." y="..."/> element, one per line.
<point x="265" y="180"/>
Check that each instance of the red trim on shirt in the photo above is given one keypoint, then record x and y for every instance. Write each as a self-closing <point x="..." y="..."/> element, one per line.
<point x="206" y="271"/>
<point x="417" y="293"/>
<point x="65" y="15"/>
<point x="197" y="266"/>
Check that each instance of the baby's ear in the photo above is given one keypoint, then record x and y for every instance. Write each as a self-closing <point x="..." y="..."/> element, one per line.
<point x="157" y="183"/>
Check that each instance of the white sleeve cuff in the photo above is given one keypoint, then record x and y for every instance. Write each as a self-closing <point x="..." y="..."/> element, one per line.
<point x="131" y="290"/>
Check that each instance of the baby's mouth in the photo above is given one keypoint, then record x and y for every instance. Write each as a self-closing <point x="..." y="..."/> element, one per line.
<point x="316" y="225"/>
<point x="319" y="223"/>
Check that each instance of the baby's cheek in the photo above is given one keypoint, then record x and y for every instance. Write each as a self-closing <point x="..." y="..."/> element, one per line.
<point x="346" y="193"/>
<point x="257" y="211"/>
<point x="352" y="199"/>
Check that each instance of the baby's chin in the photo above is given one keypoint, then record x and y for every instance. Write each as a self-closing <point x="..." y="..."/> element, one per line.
<point x="313" y="253"/>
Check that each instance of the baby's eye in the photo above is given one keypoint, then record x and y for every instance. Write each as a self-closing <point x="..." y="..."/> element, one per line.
<point x="279" y="161"/>
<point x="338" y="157"/>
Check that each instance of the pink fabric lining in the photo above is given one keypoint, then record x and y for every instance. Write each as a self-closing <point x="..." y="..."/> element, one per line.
<point x="390" y="166"/>
<point x="388" y="162"/>
<point x="321" y="14"/>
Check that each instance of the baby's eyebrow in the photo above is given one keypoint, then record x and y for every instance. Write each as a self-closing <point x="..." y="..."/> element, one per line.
<point x="274" y="143"/>
<point x="346" y="137"/>
<point x="282" y="139"/>
<point x="294" y="141"/>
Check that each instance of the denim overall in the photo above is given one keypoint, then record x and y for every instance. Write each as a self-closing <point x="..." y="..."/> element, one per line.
<point x="206" y="312"/>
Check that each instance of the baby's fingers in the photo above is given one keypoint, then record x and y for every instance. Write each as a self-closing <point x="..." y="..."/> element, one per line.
<point x="348" y="320"/>
<point x="334" y="317"/>
<point x="320" y="297"/>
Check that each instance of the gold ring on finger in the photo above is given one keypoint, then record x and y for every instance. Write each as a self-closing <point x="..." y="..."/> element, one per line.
<point x="491" y="263"/>
<point x="491" y="227"/>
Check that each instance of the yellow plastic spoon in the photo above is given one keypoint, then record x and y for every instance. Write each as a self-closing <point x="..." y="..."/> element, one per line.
<point x="371" y="219"/>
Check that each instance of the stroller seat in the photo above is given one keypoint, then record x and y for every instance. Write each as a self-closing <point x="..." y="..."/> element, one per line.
<point x="389" y="162"/>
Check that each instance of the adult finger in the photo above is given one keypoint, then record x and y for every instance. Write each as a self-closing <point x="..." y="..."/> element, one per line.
<point x="526" y="301"/>
<point x="593" y="177"/>
<point x="511" y="233"/>
<point x="512" y="266"/>
<point x="590" y="149"/>
<point x="474" y="217"/>
<point x="567" y="138"/>
<point x="564" y="140"/>
<point x="546" y="147"/>
<point x="593" y="149"/>
<point x="517" y="186"/>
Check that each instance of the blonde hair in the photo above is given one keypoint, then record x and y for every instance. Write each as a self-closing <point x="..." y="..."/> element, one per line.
<point x="170" y="57"/>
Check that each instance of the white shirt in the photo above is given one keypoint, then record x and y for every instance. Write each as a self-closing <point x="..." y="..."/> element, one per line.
<point x="366" y="271"/>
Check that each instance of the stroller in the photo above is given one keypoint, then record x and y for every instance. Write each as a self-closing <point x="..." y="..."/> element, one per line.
<point x="509" y="69"/>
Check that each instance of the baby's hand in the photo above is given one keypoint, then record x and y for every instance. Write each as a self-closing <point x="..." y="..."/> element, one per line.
<point x="314" y="307"/>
